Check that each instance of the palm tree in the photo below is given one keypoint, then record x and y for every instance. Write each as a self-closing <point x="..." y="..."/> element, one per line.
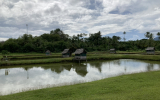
<point x="151" y="39"/>
<point x="147" y="35"/>
<point x="124" y="36"/>
<point x="158" y="34"/>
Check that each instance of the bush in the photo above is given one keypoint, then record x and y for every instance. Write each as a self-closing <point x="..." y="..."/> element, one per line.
<point x="5" y="52"/>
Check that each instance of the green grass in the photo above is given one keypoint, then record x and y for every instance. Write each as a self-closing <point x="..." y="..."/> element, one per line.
<point x="35" y="61"/>
<point x="24" y="59"/>
<point x="140" y="86"/>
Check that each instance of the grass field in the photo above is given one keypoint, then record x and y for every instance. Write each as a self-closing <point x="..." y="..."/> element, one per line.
<point x="139" y="86"/>
<point x="38" y="58"/>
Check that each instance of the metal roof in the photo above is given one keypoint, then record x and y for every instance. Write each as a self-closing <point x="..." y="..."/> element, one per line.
<point x="150" y="48"/>
<point x="65" y="51"/>
<point x="79" y="51"/>
<point x="112" y="49"/>
<point x="48" y="51"/>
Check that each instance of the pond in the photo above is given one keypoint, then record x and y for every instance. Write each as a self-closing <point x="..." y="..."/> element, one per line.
<point x="31" y="77"/>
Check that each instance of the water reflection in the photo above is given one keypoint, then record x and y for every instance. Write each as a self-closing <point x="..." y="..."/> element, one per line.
<point x="6" y="71"/>
<point x="17" y="78"/>
<point x="81" y="69"/>
<point x="97" y="65"/>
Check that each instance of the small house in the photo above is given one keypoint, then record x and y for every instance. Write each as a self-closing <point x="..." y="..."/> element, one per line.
<point x="112" y="50"/>
<point x="150" y="50"/>
<point x="66" y="53"/>
<point x="48" y="52"/>
<point x="80" y="54"/>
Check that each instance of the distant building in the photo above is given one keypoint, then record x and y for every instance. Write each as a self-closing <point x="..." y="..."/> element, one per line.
<point x="80" y="54"/>
<point x="112" y="50"/>
<point x="48" y="52"/>
<point x="150" y="50"/>
<point x="66" y="53"/>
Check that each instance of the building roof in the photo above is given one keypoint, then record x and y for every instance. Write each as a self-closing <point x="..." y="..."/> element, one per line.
<point x="112" y="49"/>
<point x="65" y="51"/>
<point x="79" y="51"/>
<point x="47" y="51"/>
<point x="150" y="48"/>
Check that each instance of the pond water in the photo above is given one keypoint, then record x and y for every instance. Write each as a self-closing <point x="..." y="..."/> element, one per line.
<point x="23" y="78"/>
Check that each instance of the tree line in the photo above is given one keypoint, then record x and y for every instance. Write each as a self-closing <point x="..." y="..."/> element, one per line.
<point x="57" y="41"/>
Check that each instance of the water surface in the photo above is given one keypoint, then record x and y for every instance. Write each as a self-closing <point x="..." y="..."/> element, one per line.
<point x="22" y="78"/>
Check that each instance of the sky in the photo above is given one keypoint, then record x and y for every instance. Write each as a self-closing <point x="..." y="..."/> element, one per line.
<point x="111" y="17"/>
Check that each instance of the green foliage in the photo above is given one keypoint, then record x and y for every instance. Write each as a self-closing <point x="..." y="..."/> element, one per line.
<point x="57" y="41"/>
<point x="158" y="34"/>
<point x="5" y="52"/>
<point x="28" y="47"/>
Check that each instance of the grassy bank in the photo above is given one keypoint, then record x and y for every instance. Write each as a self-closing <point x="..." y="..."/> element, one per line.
<point x="140" y="86"/>
<point x="42" y="59"/>
<point x="124" y="56"/>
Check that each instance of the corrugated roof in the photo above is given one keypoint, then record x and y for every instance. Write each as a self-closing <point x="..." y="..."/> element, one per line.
<point x="65" y="51"/>
<point x="150" y="48"/>
<point x="112" y="49"/>
<point x="79" y="51"/>
<point x="47" y="51"/>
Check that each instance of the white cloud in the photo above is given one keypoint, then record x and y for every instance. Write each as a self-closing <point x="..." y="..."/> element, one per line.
<point x="135" y="37"/>
<point x="78" y="16"/>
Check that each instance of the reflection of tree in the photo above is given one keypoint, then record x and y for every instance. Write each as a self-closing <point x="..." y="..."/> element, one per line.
<point x="118" y="62"/>
<point x="125" y="68"/>
<point x="97" y="65"/>
<point x="57" y="69"/>
<point x="149" y="66"/>
<point x="81" y="69"/>
<point x="27" y="69"/>
<point x="67" y="67"/>
<point x="6" y="71"/>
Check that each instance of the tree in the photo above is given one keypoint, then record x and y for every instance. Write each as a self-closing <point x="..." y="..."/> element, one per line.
<point x="28" y="47"/>
<point x="150" y="38"/>
<point x="95" y="38"/>
<point x="115" y="40"/>
<point x="124" y="36"/>
<point x="158" y="34"/>
<point x="26" y="38"/>
<point x="60" y="33"/>
<point x="11" y="45"/>
<point x="5" y="52"/>
<point x="147" y="35"/>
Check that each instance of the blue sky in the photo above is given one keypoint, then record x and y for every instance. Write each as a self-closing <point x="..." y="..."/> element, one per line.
<point x="111" y="17"/>
<point x="131" y="35"/>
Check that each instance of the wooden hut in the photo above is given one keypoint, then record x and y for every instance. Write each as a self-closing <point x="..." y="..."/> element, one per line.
<point x="66" y="53"/>
<point x="48" y="52"/>
<point x="150" y="50"/>
<point x="112" y="50"/>
<point x="80" y="54"/>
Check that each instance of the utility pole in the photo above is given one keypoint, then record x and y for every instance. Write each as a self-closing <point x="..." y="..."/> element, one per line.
<point x="27" y="28"/>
